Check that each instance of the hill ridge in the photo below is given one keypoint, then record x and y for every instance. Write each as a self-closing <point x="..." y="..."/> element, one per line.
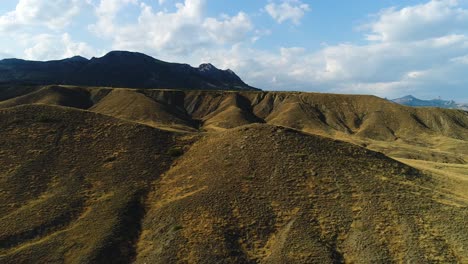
<point x="330" y="113"/>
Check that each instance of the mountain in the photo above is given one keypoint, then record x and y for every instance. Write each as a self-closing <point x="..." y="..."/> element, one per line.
<point x="119" y="69"/>
<point x="102" y="175"/>
<point x="410" y="100"/>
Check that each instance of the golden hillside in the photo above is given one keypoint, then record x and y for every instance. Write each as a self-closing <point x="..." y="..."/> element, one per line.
<point x="154" y="176"/>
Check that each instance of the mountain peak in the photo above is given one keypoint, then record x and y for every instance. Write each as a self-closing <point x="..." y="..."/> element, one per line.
<point x="121" y="69"/>
<point x="120" y="54"/>
<point x="77" y="58"/>
<point x="406" y="98"/>
<point x="410" y="100"/>
<point x="207" y="67"/>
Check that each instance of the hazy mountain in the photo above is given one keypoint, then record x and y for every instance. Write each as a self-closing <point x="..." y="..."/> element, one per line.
<point x="119" y="69"/>
<point x="410" y="100"/>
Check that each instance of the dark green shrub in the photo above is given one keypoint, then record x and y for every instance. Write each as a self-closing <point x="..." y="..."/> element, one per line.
<point x="177" y="227"/>
<point x="175" y="152"/>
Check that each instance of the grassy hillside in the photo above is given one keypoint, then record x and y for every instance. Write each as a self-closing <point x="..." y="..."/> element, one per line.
<point x="73" y="183"/>
<point x="129" y="105"/>
<point x="53" y="95"/>
<point x="98" y="175"/>
<point x="264" y="194"/>
<point x="432" y="134"/>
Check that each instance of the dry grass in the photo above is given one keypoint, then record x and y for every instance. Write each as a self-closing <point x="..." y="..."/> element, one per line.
<point x="157" y="176"/>
<point x="71" y="186"/>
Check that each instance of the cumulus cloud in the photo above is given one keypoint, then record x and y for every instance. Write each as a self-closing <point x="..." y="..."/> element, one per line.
<point x="293" y="10"/>
<point x="51" y="14"/>
<point x="427" y="64"/>
<point x="420" y="48"/>
<point x="230" y="29"/>
<point x="179" y="32"/>
<point x="37" y="29"/>
<point x="417" y="49"/>
<point x="50" y="47"/>
<point x="378" y="69"/>
<point x="432" y="19"/>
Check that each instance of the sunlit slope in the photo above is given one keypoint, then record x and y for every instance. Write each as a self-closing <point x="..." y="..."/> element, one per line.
<point x="135" y="106"/>
<point x="432" y="134"/>
<point x="82" y="187"/>
<point x="264" y="194"/>
<point x="330" y="114"/>
<point x="72" y="184"/>
<point x="453" y="178"/>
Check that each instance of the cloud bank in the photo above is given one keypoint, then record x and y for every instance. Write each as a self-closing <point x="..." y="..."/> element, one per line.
<point x="420" y="49"/>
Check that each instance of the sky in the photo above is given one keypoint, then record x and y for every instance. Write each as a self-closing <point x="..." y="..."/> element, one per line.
<point x="388" y="48"/>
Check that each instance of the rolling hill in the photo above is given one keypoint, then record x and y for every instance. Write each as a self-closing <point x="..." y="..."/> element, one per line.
<point x="101" y="175"/>
<point x="418" y="133"/>
<point x="119" y="69"/>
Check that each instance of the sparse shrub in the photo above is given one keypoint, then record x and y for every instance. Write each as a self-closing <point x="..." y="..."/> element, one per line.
<point x="175" y="152"/>
<point x="44" y="118"/>
<point x="110" y="159"/>
<point x="249" y="177"/>
<point x="177" y="228"/>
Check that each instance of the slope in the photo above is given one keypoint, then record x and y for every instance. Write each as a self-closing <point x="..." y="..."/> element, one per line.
<point x="72" y="184"/>
<point x="433" y="134"/>
<point x="405" y="132"/>
<point x="83" y="187"/>
<point x="265" y="194"/>
<point x="135" y="106"/>
<point x="53" y="95"/>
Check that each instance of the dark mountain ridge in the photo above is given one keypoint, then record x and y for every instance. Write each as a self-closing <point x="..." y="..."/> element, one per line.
<point x="120" y="69"/>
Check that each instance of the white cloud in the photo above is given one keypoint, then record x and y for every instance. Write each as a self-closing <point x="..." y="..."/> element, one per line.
<point x="37" y="29"/>
<point x="108" y="9"/>
<point x="461" y="59"/>
<point x="50" y="47"/>
<point x="293" y="10"/>
<point x="172" y="33"/>
<point x="230" y="30"/>
<point x="416" y="74"/>
<point x="382" y="89"/>
<point x="432" y="19"/>
<point x="51" y="14"/>
<point x="416" y="49"/>
<point x="392" y="69"/>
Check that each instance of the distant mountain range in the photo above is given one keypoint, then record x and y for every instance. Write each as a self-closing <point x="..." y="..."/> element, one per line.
<point x="410" y="100"/>
<point x="120" y="69"/>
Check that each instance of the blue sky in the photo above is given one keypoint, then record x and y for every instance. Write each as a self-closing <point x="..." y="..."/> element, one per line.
<point x="388" y="48"/>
